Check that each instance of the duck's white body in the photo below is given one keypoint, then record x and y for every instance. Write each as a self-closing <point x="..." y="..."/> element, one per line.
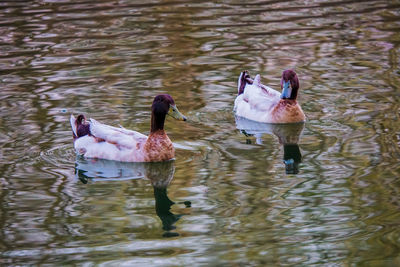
<point x="256" y="103"/>
<point x="112" y="143"/>
<point x="263" y="104"/>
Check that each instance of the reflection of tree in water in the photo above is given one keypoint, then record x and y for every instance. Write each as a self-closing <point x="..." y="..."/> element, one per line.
<point x="159" y="173"/>
<point x="288" y="135"/>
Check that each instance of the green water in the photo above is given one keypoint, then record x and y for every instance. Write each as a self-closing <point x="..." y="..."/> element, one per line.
<point x="228" y="199"/>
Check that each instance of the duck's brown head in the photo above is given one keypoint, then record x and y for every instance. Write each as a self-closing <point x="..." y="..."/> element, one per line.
<point x="289" y="85"/>
<point x="163" y="105"/>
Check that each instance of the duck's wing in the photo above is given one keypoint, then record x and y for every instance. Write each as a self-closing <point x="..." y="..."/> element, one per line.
<point x="130" y="132"/>
<point x="118" y="136"/>
<point x="269" y="92"/>
<point x="259" y="98"/>
<point x="256" y="91"/>
<point x="265" y="91"/>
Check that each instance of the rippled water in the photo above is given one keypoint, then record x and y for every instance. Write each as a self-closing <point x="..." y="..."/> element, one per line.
<point x="324" y="193"/>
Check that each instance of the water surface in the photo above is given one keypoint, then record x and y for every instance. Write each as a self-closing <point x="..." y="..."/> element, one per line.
<point x="228" y="198"/>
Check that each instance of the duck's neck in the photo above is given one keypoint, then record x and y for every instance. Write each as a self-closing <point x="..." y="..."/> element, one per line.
<point x="289" y="101"/>
<point x="157" y="122"/>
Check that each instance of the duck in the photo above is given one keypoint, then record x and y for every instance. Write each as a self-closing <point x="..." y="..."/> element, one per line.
<point x="93" y="139"/>
<point x="258" y="102"/>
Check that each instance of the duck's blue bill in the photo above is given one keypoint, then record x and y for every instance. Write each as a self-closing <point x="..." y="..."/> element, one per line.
<point x="287" y="90"/>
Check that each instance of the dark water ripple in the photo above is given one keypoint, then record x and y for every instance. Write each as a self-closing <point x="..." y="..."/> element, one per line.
<point x="108" y="59"/>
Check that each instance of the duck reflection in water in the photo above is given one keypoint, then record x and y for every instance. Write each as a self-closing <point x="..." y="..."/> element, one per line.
<point x="159" y="173"/>
<point x="288" y="135"/>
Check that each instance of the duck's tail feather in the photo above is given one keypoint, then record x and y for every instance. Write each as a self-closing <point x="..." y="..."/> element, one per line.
<point x="72" y="120"/>
<point x="79" y="126"/>
<point x="242" y="81"/>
